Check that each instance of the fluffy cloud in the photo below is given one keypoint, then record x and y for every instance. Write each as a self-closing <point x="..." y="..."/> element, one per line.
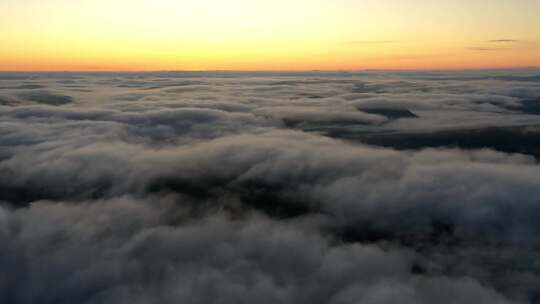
<point x="295" y="188"/>
<point x="123" y="251"/>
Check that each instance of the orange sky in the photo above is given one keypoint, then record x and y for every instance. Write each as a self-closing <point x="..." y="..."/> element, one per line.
<point x="268" y="35"/>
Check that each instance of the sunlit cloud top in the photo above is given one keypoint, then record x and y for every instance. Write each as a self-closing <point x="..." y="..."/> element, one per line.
<point x="268" y="35"/>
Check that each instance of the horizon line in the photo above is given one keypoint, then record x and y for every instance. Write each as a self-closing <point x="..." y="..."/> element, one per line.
<point x="275" y="71"/>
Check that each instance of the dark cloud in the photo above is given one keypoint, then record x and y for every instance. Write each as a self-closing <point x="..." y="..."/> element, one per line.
<point x="122" y="251"/>
<point x="46" y="98"/>
<point x="511" y="139"/>
<point x="390" y="113"/>
<point x="270" y="187"/>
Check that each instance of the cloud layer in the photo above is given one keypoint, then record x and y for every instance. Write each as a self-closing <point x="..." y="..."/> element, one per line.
<point x="378" y="187"/>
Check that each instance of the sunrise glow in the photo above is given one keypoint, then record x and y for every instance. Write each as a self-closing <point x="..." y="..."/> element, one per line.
<point x="268" y="35"/>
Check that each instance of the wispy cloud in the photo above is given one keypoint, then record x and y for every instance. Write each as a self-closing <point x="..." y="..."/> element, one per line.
<point x="405" y="58"/>
<point x="504" y="41"/>
<point x="485" y="49"/>
<point x="373" y="41"/>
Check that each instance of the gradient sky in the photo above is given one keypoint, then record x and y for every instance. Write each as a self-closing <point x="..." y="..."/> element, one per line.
<point x="268" y="35"/>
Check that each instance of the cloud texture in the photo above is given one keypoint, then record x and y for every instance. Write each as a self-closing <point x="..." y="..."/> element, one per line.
<point x="373" y="187"/>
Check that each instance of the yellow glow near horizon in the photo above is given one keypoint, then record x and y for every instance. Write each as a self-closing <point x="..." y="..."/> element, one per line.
<point x="267" y="35"/>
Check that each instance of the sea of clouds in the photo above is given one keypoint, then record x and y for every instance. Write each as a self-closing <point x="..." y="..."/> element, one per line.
<point x="191" y="187"/>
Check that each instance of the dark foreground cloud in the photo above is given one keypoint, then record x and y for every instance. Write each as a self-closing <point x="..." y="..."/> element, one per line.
<point x="121" y="251"/>
<point x="281" y="188"/>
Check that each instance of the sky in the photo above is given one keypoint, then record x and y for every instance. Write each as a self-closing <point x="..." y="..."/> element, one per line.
<point x="138" y="35"/>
